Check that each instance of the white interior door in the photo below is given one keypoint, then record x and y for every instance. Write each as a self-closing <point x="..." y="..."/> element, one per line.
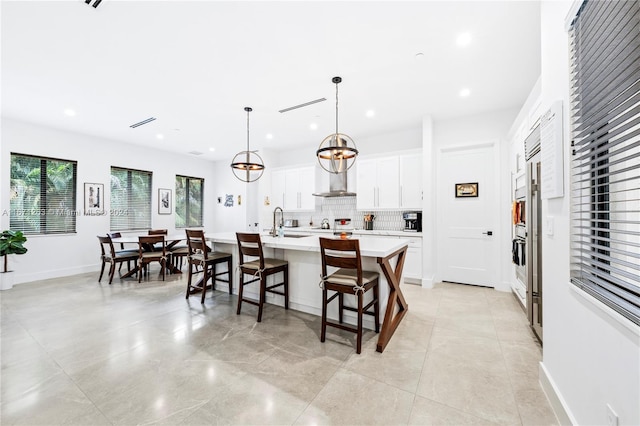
<point x="468" y="253"/>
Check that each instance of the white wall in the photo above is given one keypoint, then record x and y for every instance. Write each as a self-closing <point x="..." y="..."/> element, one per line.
<point x="60" y="255"/>
<point x="591" y="356"/>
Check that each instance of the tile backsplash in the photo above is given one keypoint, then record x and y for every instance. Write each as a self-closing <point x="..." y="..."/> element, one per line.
<point x="345" y="207"/>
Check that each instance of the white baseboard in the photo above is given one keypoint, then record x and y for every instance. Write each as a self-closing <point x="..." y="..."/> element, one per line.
<point x="555" y="397"/>
<point x="427" y="282"/>
<point x="503" y="286"/>
<point x="23" y="278"/>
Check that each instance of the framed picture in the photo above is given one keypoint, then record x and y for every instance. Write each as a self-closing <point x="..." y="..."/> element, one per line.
<point x="466" y="190"/>
<point x="164" y="201"/>
<point x="93" y="199"/>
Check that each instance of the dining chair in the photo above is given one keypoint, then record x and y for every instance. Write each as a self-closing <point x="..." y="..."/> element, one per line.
<point x="145" y="256"/>
<point x="178" y="251"/>
<point x="122" y="250"/>
<point x="349" y="278"/>
<point x="164" y="232"/>
<point x="201" y="256"/>
<point x="110" y="255"/>
<point x="259" y="267"/>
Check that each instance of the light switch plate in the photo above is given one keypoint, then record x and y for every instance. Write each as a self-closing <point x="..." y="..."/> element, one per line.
<point x="549" y="226"/>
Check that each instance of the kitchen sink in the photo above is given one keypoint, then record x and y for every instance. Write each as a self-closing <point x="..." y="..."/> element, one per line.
<point x="295" y="235"/>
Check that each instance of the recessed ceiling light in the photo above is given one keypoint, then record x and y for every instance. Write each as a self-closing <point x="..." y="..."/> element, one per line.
<point x="269" y="136"/>
<point x="212" y="149"/>
<point x="464" y="93"/>
<point x="313" y="126"/>
<point x="370" y="113"/>
<point x="69" y="112"/>
<point x="419" y="56"/>
<point x="160" y="136"/>
<point x="464" y="39"/>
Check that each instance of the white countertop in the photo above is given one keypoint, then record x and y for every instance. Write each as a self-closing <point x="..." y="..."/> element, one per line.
<point x="306" y="229"/>
<point x="369" y="246"/>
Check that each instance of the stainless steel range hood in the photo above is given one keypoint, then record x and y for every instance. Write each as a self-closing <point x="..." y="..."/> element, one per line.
<point x="337" y="186"/>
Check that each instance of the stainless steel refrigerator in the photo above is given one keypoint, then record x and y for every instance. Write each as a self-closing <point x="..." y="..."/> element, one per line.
<point x="533" y="234"/>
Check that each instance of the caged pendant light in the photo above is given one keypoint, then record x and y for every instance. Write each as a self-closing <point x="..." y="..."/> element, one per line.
<point x="337" y="152"/>
<point x="247" y="165"/>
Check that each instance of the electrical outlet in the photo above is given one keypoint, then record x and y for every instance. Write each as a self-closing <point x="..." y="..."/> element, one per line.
<point x="612" y="417"/>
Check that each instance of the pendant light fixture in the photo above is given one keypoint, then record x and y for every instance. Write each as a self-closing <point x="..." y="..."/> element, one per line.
<point x="337" y="152"/>
<point x="247" y="165"/>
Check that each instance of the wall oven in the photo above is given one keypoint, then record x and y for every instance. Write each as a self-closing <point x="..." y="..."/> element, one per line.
<point x="519" y="252"/>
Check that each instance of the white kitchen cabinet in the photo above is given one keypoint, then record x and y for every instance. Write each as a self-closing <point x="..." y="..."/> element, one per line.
<point x="278" y="180"/>
<point x="413" y="261"/>
<point x="411" y="182"/>
<point x="378" y="183"/>
<point x="292" y="188"/>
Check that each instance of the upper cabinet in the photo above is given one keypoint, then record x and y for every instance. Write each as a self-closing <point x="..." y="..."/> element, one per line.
<point x="278" y="180"/>
<point x="378" y="183"/>
<point x="292" y="188"/>
<point x="391" y="182"/>
<point x="411" y="182"/>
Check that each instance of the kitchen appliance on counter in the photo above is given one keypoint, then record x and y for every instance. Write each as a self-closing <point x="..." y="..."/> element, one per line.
<point x="325" y="224"/>
<point x="412" y="221"/>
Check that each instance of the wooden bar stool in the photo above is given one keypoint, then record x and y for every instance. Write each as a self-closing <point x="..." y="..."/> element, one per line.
<point x="348" y="279"/>
<point x="249" y="245"/>
<point x="201" y="256"/>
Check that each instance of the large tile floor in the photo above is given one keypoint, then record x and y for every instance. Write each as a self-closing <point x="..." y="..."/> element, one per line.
<point x="78" y="352"/>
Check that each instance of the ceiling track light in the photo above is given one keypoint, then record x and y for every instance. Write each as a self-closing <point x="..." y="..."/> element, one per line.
<point x="247" y="165"/>
<point x="337" y="152"/>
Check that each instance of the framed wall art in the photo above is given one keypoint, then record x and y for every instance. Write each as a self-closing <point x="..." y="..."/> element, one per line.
<point x="164" y="201"/>
<point x="93" y="199"/>
<point x="464" y="190"/>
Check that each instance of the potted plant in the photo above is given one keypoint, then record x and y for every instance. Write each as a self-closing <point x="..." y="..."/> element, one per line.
<point x="11" y="242"/>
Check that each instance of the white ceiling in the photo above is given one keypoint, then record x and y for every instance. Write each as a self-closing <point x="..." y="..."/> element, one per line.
<point x="195" y="65"/>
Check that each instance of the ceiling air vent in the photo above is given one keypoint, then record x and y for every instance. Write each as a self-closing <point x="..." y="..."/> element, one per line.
<point x="148" y="120"/>
<point x="95" y="3"/>
<point x="196" y="152"/>
<point x="315" y="101"/>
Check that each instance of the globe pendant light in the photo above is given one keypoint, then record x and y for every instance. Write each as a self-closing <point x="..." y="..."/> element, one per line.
<point x="247" y="165"/>
<point x="337" y="152"/>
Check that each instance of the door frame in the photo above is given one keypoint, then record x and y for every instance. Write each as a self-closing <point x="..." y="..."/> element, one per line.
<point x="439" y="213"/>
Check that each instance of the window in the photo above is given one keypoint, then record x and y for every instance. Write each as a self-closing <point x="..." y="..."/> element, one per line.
<point x="43" y="195"/>
<point x="605" y="167"/>
<point x="130" y="199"/>
<point x="189" y="196"/>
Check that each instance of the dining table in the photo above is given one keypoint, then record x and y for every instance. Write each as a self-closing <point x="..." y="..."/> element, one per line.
<point x="170" y="240"/>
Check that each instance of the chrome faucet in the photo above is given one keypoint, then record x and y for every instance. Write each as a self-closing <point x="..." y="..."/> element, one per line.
<point x="274" y="230"/>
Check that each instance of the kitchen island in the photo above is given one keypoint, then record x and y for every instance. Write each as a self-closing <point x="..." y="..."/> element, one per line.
<point x="305" y="267"/>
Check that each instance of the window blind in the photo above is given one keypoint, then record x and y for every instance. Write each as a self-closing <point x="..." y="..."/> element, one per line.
<point x="605" y="167"/>
<point x="130" y="199"/>
<point x="43" y="195"/>
<point x="189" y="201"/>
